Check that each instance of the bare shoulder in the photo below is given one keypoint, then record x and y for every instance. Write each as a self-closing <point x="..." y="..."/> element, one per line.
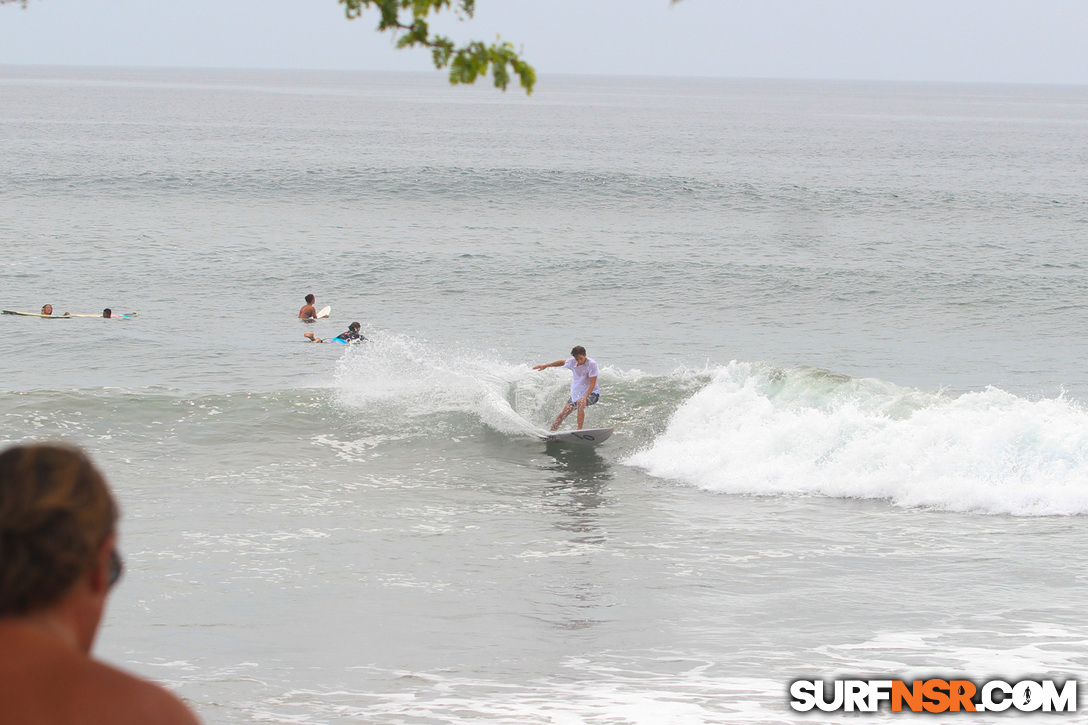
<point x="124" y="698"/>
<point x="48" y="683"/>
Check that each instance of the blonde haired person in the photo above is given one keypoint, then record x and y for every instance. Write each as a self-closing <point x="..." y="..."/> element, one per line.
<point x="58" y="561"/>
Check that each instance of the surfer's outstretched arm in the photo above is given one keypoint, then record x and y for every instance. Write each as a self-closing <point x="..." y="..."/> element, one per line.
<point x="556" y="364"/>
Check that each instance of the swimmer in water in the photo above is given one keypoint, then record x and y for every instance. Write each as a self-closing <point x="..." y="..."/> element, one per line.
<point x="308" y="311"/>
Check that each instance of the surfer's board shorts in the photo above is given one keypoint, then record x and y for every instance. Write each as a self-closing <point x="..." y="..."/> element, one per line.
<point x="591" y="400"/>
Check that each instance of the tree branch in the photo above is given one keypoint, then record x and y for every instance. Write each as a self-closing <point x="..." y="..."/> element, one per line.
<point x="467" y="62"/>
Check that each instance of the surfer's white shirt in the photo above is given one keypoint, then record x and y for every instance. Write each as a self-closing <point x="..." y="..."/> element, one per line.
<point x="582" y="373"/>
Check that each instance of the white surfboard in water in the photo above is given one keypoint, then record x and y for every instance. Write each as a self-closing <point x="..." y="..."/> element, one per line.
<point x="586" y="437"/>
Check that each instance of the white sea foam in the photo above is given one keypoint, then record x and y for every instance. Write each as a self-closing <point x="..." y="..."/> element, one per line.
<point x="400" y="376"/>
<point x="755" y="430"/>
<point x="1021" y="651"/>
<point x="409" y="376"/>
<point x="630" y="692"/>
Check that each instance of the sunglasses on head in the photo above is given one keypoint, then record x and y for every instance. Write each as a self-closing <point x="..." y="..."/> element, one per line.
<point x="116" y="568"/>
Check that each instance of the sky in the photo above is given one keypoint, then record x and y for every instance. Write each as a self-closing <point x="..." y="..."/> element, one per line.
<point x="995" y="41"/>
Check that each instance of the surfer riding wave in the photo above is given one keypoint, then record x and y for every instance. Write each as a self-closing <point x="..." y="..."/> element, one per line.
<point x="584" y="390"/>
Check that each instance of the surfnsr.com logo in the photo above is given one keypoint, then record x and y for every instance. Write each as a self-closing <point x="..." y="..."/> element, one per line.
<point x="934" y="695"/>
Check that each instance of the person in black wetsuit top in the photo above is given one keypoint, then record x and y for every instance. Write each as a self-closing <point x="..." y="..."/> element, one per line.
<point x="352" y="335"/>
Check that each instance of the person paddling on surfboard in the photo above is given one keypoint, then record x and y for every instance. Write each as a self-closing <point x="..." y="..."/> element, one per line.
<point x="47" y="311"/>
<point x="584" y="390"/>
<point x="352" y="335"/>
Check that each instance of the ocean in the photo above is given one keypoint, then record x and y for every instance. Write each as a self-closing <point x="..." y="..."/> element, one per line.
<point x="840" y="328"/>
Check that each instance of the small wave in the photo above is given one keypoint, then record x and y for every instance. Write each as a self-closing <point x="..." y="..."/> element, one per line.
<point x="613" y="190"/>
<point x="397" y="377"/>
<point x="758" y="430"/>
<point x="671" y="687"/>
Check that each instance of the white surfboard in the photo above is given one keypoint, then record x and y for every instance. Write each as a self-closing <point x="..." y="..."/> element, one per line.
<point x="585" y="437"/>
<point x="38" y="314"/>
<point x="114" y="316"/>
<point x="324" y="311"/>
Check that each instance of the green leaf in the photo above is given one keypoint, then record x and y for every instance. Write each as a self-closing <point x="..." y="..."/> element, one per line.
<point x="467" y="62"/>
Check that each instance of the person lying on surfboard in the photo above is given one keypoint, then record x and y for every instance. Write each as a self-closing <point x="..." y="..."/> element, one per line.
<point x="47" y="310"/>
<point x="308" y="311"/>
<point x="584" y="390"/>
<point x="352" y="335"/>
